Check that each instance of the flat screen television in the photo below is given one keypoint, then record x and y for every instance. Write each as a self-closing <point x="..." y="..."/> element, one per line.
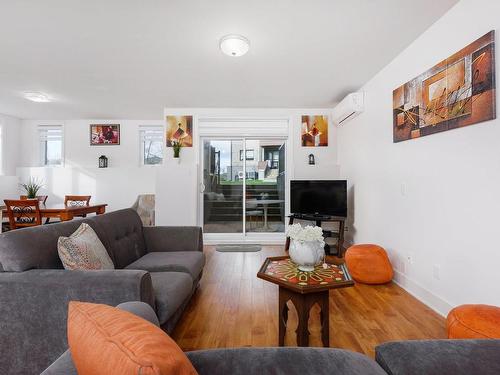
<point x="319" y="198"/>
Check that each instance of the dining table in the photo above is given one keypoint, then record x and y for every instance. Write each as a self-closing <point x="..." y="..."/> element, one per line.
<point x="63" y="212"/>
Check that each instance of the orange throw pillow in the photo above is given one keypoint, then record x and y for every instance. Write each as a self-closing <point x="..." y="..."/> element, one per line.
<point x="106" y="340"/>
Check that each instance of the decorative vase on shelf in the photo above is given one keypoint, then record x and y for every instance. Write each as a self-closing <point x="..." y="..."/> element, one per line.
<point x="306" y="254"/>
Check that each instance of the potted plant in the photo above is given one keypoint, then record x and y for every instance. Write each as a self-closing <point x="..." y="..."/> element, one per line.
<point x="177" y="145"/>
<point x="32" y="187"/>
<point x="307" y="247"/>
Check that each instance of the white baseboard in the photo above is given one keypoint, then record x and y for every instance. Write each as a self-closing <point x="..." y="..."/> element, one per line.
<point x="435" y="302"/>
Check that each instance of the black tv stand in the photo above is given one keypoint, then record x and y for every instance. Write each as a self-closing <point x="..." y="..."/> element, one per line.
<point x="318" y="219"/>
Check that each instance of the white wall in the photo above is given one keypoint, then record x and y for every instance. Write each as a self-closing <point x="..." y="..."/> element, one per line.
<point x="175" y="184"/>
<point x="10" y="128"/>
<point x="436" y="198"/>
<point x="118" y="185"/>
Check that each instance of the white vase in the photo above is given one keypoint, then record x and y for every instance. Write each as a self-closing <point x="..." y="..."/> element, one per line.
<point x="306" y="254"/>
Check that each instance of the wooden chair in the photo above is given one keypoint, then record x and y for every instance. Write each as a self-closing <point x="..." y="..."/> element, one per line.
<point x="23" y="213"/>
<point x="77" y="200"/>
<point x="41" y="198"/>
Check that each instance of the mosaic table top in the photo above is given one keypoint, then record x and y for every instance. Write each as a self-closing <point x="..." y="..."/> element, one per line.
<point x="284" y="272"/>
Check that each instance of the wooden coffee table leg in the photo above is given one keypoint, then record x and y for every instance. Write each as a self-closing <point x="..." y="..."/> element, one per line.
<point x="282" y="316"/>
<point x="302" y="306"/>
<point x="325" y="318"/>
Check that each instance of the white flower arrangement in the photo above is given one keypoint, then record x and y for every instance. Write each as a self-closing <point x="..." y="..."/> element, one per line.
<point x="302" y="234"/>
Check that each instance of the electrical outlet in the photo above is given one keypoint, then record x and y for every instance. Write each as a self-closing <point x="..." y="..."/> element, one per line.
<point x="436" y="271"/>
<point x="346" y="229"/>
<point x="410" y="258"/>
<point x="402" y="266"/>
<point x="404" y="189"/>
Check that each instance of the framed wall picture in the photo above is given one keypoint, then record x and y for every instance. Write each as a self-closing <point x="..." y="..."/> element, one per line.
<point x="314" y="131"/>
<point x="104" y="134"/>
<point x="457" y="92"/>
<point x="180" y="128"/>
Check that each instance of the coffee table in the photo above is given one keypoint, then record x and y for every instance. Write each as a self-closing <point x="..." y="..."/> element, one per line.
<point x="304" y="289"/>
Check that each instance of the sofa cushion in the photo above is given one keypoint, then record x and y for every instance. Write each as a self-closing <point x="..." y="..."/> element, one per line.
<point x="191" y="262"/>
<point x="106" y="340"/>
<point x="83" y="250"/>
<point x="36" y="247"/>
<point x="123" y="229"/>
<point x="282" y="361"/>
<point x="64" y="364"/>
<point x="171" y="290"/>
<point x="439" y="357"/>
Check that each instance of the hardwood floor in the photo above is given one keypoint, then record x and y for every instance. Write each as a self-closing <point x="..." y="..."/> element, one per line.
<point x="232" y="308"/>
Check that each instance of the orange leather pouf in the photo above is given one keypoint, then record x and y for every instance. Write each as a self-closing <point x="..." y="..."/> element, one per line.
<point x="474" y="322"/>
<point x="368" y="264"/>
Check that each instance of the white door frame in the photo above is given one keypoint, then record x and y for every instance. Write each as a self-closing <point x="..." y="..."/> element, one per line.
<point x="252" y="237"/>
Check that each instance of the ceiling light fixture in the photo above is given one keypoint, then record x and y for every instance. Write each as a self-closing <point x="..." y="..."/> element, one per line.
<point x="37" y="97"/>
<point x="234" y="45"/>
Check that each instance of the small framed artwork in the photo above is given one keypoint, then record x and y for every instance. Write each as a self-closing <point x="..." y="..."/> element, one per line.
<point x="180" y="128"/>
<point x="104" y="134"/>
<point x="314" y="131"/>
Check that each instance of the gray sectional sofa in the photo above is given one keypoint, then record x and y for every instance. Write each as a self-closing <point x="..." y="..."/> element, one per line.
<point x="160" y="266"/>
<point x="429" y="357"/>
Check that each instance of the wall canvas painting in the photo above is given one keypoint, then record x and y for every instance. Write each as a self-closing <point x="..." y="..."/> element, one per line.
<point x="314" y="131"/>
<point x="457" y="92"/>
<point x="180" y="128"/>
<point x="102" y="134"/>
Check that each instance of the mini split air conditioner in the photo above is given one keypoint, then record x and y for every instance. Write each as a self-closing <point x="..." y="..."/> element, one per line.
<point x="351" y="106"/>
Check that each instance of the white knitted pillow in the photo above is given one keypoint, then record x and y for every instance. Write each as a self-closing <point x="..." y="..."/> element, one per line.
<point x="83" y="250"/>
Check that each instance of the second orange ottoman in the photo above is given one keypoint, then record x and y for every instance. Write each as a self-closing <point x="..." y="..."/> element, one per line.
<point x="474" y="322"/>
<point x="369" y="264"/>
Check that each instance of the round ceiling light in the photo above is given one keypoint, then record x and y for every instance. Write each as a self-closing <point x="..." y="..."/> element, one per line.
<point x="37" y="97"/>
<point x="234" y="45"/>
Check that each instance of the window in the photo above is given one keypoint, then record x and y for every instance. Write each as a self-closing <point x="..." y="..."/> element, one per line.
<point x="151" y="138"/>
<point x="250" y="155"/>
<point x="51" y="145"/>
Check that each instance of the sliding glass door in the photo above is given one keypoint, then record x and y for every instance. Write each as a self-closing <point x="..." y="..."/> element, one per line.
<point x="243" y="186"/>
<point x="222" y="186"/>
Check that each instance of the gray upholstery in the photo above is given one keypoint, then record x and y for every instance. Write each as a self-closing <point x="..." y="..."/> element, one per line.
<point x="191" y="262"/>
<point x="171" y="289"/>
<point x="35" y="290"/>
<point x="124" y="232"/>
<point x="64" y="364"/>
<point x="24" y="249"/>
<point x="173" y="239"/>
<point x="440" y="357"/>
<point x="34" y="305"/>
<point x="286" y="361"/>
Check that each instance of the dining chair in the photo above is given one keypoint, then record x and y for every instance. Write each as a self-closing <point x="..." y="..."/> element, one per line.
<point x="23" y="213"/>
<point x="77" y="200"/>
<point x="41" y="198"/>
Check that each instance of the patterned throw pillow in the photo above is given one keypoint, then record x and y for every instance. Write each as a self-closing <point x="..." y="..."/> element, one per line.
<point x="83" y="250"/>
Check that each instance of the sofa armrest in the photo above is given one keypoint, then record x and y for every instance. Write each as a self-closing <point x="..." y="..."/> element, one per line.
<point x="284" y="360"/>
<point x="160" y="239"/>
<point x="34" y="306"/>
<point x="439" y="357"/>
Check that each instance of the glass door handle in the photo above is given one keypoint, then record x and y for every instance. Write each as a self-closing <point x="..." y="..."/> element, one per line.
<point x="202" y="187"/>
